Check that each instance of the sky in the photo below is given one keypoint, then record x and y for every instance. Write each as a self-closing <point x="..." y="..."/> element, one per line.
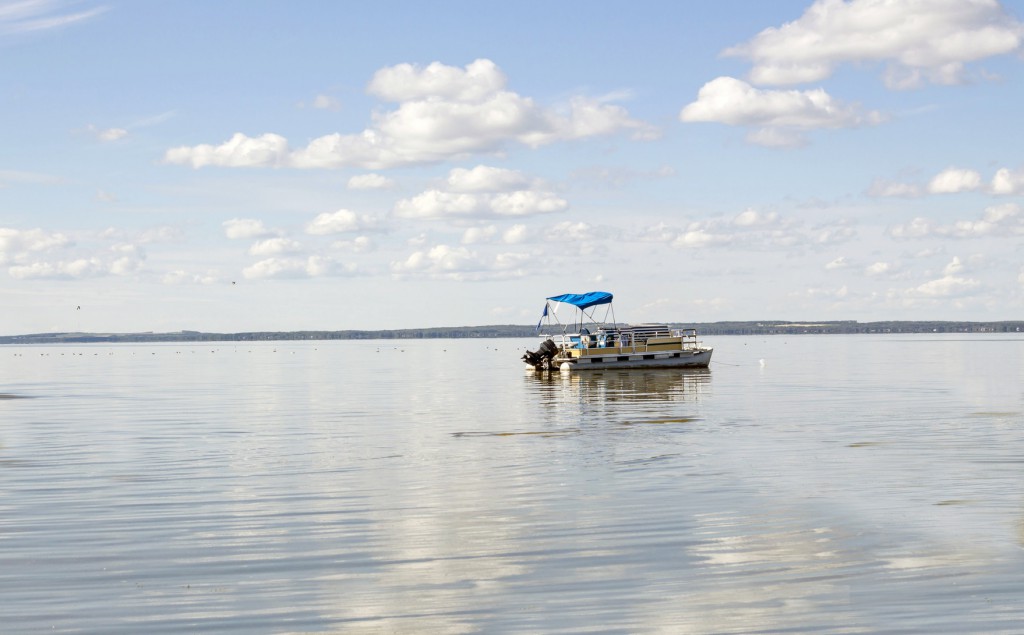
<point x="250" y="165"/>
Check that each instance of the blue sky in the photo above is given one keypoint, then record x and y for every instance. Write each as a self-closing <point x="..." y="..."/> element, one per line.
<point x="237" y="166"/>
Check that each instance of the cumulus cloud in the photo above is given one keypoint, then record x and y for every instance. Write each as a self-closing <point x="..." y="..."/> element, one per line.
<point x="998" y="220"/>
<point x="954" y="266"/>
<point x="443" y="112"/>
<point x="118" y="260"/>
<point x="948" y="286"/>
<point x="482" y="192"/>
<point x="18" y="243"/>
<point x="952" y="180"/>
<point x="833" y="235"/>
<point x="275" y="247"/>
<point x="181" y="277"/>
<point x="917" y="40"/>
<point x="485" y="178"/>
<point x="516" y="234"/>
<point x="284" y="268"/>
<point x="245" y="228"/>
<point x="752" y="228"/>
<point x="240" y="151"/>
<point x="697" y="236"/>
<point x="753" y="218"/>
<point x="359" y="245"/>
<point x="340" y="222"/>
<point x="779" y="116"/>
<point x="460" y="263"/>
<point x="879" y="268"/>
<point x="839" y="263"/>
<point x="1007" y="181"/>
<point x="478" y="234"/>
<point x="78" y="268"/>
<point x="370" y="182"/>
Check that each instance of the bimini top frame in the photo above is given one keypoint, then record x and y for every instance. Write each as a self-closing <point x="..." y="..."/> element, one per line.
<point x="582" y="301"/>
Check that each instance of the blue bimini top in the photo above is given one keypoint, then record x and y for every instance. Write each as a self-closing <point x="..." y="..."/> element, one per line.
<point x="584" y="300"/>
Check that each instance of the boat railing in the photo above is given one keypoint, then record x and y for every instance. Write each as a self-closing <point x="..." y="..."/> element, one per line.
<point x="689" y="337"/>
<point x="629" y="340"/>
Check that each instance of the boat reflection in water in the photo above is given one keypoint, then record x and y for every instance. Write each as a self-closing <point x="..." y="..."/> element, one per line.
<point x="651" y="386"/>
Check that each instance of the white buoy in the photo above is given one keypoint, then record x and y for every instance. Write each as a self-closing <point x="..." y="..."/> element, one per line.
<point x="762" y="362"/>
<point x="565" y="367"/>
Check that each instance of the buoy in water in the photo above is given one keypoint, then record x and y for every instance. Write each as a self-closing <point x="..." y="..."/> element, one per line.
<point x="565" y="367"/>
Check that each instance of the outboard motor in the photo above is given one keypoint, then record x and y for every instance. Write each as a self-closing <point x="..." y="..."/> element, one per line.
<point x="541" y="358"/>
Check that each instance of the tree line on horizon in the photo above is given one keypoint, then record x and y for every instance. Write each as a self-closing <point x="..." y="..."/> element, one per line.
<point x="771" y="327"/>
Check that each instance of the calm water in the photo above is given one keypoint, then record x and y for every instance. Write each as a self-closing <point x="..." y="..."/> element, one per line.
<point x="847" y="484"/>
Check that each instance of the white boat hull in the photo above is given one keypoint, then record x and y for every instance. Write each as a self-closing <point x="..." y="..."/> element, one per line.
<point x="698" y="358"/>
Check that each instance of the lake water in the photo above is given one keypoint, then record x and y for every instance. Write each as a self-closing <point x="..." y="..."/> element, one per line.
<point x="802" y="484"/>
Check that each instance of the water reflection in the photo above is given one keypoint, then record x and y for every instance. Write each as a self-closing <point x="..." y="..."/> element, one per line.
<point x="679" y="384"/>
<point x="342" y="488"/>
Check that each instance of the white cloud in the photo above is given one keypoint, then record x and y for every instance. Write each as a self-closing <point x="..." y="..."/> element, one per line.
<point x="834" y="235"/>
<point x="780" y="115"/>
<point x="1007" y="181"/>
<point x="370" y="182"/>
<point x="482" y="192"/>
<point x="79" y="268"/>
<point x="955" y="266"/>
<point x="484" y="178"/>
<point x="460" y="263"/>
<point x="340" y="222"/>
<point x="700" y="237"/>
<point x="38" y="15"/>
<point x="179" y="276"/>
<point x="268" y="150"/>
<point x="822" y="292"/>
<point x="17" y="243"/>
<point x="751" y="228"/>
<point x="753" y="218"/>
<point x="326" y="102"/>
<point x="443" y="112"/>
<point x="245" y="228"/>
<point x="607" y="177"/>
<point x="917" y="228"/>
<point x="275" y="247"/>
<point x="839" y="263"/>
<point x="953" y="180"/>
<point x="359" y="245"/>
<point x="285" y="268"/>
<point x="107" y="134"/>
<point x="407" y="82"/>
<point x="575" y="231"/>
<point x="1003" y="220"/>
<point x="919" y="40"/>
<point x="516" y="234"/>
<point x="478" y="234"/>
<point x="119" y="260"/>
<point x="949" y="286"/>
<point x="879" y="268"/>
<point x="889" y="189"/>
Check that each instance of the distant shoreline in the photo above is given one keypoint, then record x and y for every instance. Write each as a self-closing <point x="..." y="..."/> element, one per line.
<point x="764" y="327"/>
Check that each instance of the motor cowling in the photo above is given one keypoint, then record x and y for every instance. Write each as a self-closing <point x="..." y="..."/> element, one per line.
<point x="541" y="358"/>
